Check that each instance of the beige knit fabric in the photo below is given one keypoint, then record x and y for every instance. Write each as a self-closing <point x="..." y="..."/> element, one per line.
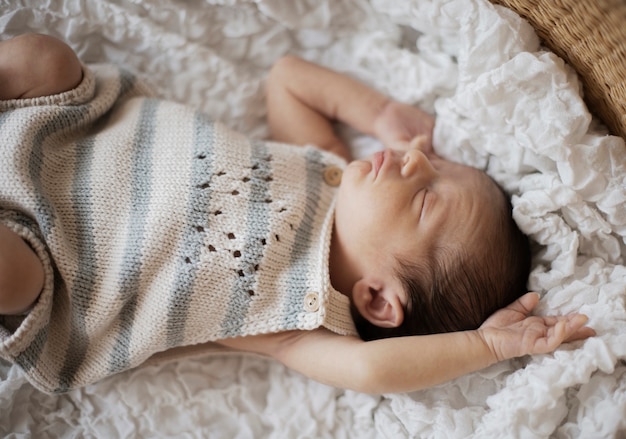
<point x="158" y="228"/>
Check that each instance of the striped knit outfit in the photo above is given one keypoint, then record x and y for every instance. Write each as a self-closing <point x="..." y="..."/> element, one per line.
<point x="157" y="228"/>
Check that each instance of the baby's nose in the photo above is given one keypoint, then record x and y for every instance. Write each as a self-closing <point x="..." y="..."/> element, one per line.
<point x="415" y="162"/>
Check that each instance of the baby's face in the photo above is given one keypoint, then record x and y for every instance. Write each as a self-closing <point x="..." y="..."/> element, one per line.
<point x="402" y="204"/>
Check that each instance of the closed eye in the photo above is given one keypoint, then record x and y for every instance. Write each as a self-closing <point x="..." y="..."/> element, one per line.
<point x="425" y="198"/>
<point x="418" y="202"/>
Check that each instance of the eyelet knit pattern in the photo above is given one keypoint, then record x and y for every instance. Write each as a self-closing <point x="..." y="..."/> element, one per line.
<point x="158" y="228"/>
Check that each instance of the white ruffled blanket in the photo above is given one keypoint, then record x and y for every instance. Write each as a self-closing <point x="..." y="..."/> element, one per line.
<point x="502" y="103"/>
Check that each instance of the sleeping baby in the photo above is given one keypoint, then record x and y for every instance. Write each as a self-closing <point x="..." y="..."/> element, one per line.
<point x="130" y="226"/>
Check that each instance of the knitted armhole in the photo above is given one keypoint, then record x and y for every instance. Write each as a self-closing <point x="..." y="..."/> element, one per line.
<point x="82" y="93"/>
<point x="39" y="315"/>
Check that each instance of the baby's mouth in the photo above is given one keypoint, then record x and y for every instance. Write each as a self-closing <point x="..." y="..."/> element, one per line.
<point x="377" y="162"/>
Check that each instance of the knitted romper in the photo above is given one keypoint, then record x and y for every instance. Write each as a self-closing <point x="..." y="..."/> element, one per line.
<point x="157" y="228"/>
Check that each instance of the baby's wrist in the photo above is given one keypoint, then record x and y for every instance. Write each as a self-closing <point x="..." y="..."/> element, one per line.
<point x="379" y="125"/>
<point x="484" y="338"/>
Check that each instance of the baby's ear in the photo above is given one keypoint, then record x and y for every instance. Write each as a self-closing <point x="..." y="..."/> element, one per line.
<point x="378" y="302"/>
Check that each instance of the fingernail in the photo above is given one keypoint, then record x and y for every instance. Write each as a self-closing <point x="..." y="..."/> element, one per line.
<point x="581" y="317"/>
<point x="417" y="140"/>
<point x="535" y="294"/>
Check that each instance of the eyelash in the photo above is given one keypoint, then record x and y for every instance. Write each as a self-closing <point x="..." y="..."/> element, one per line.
<point x="423" y="200"/>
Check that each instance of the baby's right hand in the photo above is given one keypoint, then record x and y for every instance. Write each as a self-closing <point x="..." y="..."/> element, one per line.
<point x="512" y="332"/>
<point x="397" y="124"/>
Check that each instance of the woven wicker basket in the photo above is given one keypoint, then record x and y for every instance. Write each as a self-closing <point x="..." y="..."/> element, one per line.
<point x="590" y="35"/>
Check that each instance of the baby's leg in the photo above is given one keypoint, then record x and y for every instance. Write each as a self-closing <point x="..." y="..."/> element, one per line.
<point x="33" y="65"/>
<point x="21" y="273"/>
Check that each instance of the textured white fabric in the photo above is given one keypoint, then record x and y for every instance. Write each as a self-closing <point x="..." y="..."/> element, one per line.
<point x="502" y="104"/>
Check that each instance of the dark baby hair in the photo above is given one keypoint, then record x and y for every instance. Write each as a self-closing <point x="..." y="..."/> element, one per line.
<point x="457" y="289"/>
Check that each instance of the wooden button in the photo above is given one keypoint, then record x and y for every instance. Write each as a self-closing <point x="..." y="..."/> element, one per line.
<point x="332" y="175"/>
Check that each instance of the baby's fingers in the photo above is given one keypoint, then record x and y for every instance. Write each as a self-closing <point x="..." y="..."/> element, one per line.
<point x="576" y="329"/>
<point x="421" y="142"/>
<point x="572" y="327"/>
<point x="563" y="329"/>
<point x="525" y="304"/>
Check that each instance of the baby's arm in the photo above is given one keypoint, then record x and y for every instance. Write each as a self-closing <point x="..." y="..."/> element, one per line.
<point x="406" y="364"/>
<point x="21" y="273"/>
<point x="400" y="364"/>
<point x="303" y="99"/>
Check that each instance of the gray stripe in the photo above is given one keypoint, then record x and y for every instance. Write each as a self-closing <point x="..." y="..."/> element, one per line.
<point x="196" y="214"/>
<point x="140" y="197"/>
<point x="69" y="117"/>
<point x="257" y="225"/>
<point x="44" y="214"/>
<point x="83" y="282"/>
<point x="4" y="116"/>
<point x="28" y="358"/>
<point x="299" y="260"/>
<point x="85" y="279"/>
